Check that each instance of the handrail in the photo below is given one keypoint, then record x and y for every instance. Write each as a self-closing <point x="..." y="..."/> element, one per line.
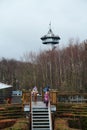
<point x="50" y="118"/>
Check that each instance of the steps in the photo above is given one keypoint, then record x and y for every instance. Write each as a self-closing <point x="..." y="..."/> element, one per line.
<point x="40" y="117"/>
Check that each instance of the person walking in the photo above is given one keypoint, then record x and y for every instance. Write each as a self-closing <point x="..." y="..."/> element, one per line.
<point x="34" y="93"/>
<point x="46" y="98"/>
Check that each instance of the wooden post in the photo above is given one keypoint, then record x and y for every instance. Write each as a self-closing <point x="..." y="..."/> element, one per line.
<point x="53" y="96"/>
<point x="26" y="97"/>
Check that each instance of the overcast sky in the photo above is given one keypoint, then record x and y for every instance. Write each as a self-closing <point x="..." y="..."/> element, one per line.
<point x="23" y="22"/>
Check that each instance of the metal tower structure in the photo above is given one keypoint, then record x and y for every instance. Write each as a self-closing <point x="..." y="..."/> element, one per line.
<point x="50" y="38"/>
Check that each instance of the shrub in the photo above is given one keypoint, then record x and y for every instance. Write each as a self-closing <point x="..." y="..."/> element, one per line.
<point x="74" y="123"/>
<point x="6" y="123"/>
<point x="83" y="121"/>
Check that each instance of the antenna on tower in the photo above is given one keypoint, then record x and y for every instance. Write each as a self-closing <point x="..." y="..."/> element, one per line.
<point x="50" y="25"/>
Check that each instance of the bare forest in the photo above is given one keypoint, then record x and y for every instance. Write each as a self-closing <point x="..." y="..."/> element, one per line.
<point x="63" y="69"/>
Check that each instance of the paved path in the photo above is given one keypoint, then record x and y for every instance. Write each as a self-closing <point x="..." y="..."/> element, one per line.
<point x="38" y="104"/>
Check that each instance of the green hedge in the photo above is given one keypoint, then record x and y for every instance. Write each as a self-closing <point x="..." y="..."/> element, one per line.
<point x="80" y="123"/>
<point x="74" y="123"/>
<point x="83" y="121"/>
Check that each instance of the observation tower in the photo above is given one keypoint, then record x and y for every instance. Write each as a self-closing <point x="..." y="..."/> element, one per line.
<point x="50" y="38"/>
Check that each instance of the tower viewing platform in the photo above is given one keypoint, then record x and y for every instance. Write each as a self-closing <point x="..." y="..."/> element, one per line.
<point x="50" y="38"/>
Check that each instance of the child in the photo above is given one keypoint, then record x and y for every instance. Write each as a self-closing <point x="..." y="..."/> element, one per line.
<point x="46" y="97"/>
